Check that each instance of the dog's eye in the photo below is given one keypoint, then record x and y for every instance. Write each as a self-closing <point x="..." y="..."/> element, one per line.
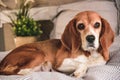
<point x="96" y="25"/>
<point x="81" y="26"/>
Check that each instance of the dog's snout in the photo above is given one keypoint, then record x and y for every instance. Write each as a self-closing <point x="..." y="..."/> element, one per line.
<point x="90" y="38"/>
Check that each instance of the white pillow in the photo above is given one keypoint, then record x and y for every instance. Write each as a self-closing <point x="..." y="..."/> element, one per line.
<point x="61" y="22"/>
<point x="105" y="8"/>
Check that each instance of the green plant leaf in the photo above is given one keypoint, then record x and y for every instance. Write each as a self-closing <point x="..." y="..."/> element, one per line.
<point x="24" y="25"/>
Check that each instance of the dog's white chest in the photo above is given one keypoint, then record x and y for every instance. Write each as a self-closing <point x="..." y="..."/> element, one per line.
<point x="95" y="59"/>
<point x="70" y="64"/>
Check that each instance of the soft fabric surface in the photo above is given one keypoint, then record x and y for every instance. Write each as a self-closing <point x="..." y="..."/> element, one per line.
<point x="117" y="2"/>
<point x="39" y="76"/>
<point x="111" y="71"/>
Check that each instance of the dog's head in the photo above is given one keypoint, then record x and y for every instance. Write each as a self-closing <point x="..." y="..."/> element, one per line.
<point x="88" y="31"/>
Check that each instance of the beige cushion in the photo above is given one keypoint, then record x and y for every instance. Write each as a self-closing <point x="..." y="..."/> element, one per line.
<point x="6" y="38"/>
<point x="105" y="8"/>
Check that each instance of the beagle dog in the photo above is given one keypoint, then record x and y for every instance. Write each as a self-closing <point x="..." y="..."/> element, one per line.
<point x="83" y="44"/>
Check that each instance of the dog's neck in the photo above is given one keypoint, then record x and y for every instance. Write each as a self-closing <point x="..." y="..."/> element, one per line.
<point x="94" y="53"/>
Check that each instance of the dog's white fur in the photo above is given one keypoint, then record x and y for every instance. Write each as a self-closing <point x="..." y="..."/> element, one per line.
<point x="90" y="31"/>
<point x="80" y="64"/>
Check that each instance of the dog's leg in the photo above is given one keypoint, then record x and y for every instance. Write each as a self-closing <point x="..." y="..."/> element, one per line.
<point x="81" y="70"/>
<point x="45" y="66"/>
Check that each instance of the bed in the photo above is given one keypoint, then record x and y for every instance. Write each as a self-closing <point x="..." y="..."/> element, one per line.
<point x="110" y="71"/>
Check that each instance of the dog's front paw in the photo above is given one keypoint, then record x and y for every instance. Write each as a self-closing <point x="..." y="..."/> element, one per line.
<point x="80" y="72"/>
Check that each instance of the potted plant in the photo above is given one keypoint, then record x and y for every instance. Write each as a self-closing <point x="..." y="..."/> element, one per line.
<point x="26" y="29"/>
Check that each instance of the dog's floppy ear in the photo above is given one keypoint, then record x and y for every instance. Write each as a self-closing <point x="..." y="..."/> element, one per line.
<point x="106" y="38"/>
<point x="70" y="37"/>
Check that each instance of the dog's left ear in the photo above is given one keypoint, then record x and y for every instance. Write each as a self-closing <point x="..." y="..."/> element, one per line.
<point x="70" y="37"/>
<point x="106" y="38"/>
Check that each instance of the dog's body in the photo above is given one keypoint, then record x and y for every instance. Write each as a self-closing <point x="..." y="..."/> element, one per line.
<point x="84" y="43"/>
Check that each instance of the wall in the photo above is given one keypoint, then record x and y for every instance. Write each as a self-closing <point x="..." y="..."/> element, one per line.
<point x="11" y="4"/>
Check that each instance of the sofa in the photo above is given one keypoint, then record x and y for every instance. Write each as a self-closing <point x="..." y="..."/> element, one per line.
<point x="108" y="10"/>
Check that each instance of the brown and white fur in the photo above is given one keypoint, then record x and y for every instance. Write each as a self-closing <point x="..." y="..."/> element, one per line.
<point x="84" y="43"/>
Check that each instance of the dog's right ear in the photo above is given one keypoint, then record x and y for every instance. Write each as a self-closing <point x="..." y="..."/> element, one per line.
<point x="106" y="38"/>
<point x="71" y="38"/>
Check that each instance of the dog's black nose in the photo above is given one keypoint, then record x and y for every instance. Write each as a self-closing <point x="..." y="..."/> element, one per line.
<point x="90" y="38"/>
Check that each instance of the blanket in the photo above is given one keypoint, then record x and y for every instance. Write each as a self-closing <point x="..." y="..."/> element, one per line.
<point x="110" y="71"/>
